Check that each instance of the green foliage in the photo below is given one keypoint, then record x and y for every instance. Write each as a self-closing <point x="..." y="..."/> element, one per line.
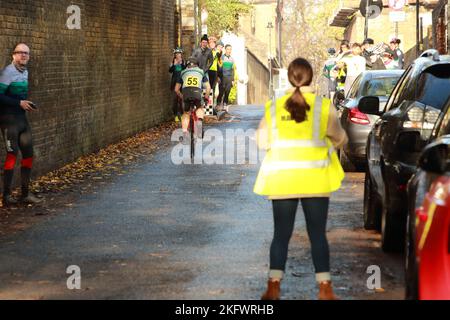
<point x="223" y="15"/>
<point x="307" y="32"/>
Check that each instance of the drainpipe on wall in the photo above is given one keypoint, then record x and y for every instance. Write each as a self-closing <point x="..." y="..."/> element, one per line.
<point x="280" y="24"/>
<point x="196" y="39"/>
<point x="418" y="44"/>
<point x="180" y="21"/>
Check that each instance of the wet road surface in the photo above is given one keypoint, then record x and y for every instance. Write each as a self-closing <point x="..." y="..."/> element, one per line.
<point x="166" y="231"/>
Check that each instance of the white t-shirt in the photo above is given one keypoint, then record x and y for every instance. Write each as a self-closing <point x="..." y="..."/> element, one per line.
<point x="355" y="65"/>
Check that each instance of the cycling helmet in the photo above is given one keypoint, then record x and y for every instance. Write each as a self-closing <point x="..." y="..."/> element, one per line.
<point x="177" y="50"/>
<point x="332" y="51"/>
<point x="192" y="60"/>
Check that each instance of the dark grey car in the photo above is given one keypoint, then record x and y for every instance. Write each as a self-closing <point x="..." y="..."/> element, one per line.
<point x="379" y="83"/>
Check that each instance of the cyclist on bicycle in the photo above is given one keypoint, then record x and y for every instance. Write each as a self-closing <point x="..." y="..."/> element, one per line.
<point x="192" y="81"/>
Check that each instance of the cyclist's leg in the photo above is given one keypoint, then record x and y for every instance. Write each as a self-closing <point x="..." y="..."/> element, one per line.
<point x="185" y="116"/>
<point x="200" y="113"/>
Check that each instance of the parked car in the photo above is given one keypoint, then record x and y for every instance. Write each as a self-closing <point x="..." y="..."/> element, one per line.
<point x="427" y="267"/>
<point x="408" y="118"/>
<point x="378" y="83"/>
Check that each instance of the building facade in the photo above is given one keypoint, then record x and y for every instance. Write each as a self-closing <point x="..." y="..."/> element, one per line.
<point x="388" y="24"/>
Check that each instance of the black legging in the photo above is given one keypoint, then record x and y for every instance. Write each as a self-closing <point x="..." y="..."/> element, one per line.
<point x="17" y="136"/>
<point x="316" y="213"/>
<point x="224" y="93"/>
<point x="212" y="79"/>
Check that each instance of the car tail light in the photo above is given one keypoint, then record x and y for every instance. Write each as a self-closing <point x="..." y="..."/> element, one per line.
<point x="358" y="117"/>
<point x="415" y="117"/>
<point x="418" y="119"/>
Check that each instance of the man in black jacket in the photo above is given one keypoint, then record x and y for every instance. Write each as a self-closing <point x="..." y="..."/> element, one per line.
<point x="373" y="60"/>
<point x="204" y="55"/>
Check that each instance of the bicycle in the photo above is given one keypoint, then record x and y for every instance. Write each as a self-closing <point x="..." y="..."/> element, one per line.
<point x="193" y="120"/>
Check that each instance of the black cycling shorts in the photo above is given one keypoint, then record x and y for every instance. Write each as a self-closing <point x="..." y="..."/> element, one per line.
<point x="192" y="97"/>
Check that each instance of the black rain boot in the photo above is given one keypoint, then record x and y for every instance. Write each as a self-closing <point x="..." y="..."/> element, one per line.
<point x="27" y="197"/>
<point x="8" y="199"/>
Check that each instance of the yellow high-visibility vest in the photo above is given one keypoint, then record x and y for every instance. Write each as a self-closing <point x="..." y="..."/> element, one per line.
<point x="215" y="61"/>
<point x="301" y="159"/>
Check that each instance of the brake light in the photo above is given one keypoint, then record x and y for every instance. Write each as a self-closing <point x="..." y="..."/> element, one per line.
<point x="420" y="119"/>
<point x="358" y="117"/>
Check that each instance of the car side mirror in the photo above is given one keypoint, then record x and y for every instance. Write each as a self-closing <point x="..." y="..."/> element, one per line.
<point x="409" y="141"/>
<point x="370" y="105"/>
<point x="434" y="158"/>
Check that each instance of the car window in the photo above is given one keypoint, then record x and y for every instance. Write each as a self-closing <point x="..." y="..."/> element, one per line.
<point x="444" y="127"/>
<point x="398" y="90"/>
<point x="353" y="92"/>
<point x="433" y="88"/>
<point x="380" y="86"/>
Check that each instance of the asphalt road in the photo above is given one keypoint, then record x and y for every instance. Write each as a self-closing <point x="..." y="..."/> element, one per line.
<point x="166" y="231"/>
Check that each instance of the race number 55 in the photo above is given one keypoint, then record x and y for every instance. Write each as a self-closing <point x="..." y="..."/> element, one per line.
<point x="192" y="82"/>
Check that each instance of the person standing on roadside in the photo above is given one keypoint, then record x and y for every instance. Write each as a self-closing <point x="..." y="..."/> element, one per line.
<point x="373" y="60"/>
<point x="220" y="47"/>
<point x="356" y="64"/>
<point x="175" y="69"/>
<point x="400" y="54"/>
<point x="328" y="74"/>
<point x="212" y="73"/>
<point x="204" y="55"/>
<point x="228" y="76"/>
<point x="344" y="49"/>
<point x="394" y="56"/>
<point x="300" y="132"/>
<point x="16" y="130"/>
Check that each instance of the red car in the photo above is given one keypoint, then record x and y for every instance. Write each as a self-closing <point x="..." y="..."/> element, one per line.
<point x="432" y="242"/>
<point x="428" y="229"/>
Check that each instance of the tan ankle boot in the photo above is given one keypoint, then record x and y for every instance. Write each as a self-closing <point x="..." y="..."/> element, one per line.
<point x="326" y="291"/>
<point x="273" y="291"/>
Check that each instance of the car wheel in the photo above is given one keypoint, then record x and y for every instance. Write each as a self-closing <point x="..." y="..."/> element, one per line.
<point x="411" y="268"/>
<point x="346" y="164"/>
<point x="371" y="206"/>
<point x="392" y="237"/>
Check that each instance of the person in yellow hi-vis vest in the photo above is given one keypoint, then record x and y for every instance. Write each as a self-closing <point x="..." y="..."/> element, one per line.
<point x="300" y="132"/>
<point x="217" y="62"/>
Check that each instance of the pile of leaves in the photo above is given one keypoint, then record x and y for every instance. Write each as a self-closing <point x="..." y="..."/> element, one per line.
<point x="60" y="188"/>
<point x="107" y="162"/>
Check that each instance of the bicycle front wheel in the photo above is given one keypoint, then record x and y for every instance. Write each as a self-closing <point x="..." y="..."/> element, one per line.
<point x="191" y="129"/>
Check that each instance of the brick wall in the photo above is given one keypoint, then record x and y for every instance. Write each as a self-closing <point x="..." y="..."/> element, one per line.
<point x="97" y="85"/>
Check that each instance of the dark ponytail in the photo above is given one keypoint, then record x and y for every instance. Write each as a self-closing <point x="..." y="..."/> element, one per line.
<point x="300" y="74"/>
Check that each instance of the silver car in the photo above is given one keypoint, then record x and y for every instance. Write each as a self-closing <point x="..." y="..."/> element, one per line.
<point x="379" y="83"/>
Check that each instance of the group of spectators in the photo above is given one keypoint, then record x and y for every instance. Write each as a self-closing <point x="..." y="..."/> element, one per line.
<point x="343" y="67"/>
<point x="216" y="61"/>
